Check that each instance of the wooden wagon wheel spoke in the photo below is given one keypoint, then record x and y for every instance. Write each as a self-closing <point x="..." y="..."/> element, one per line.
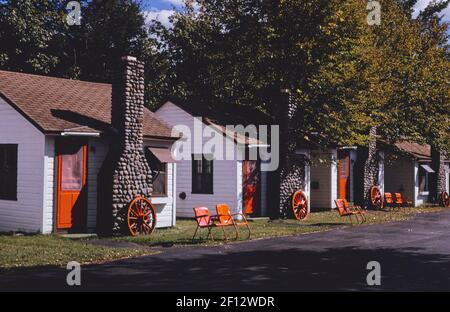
<point x="445" y="199"/>
<point x="300" y="205"/>
<point x="134" y="213"/>
<point x="141" y="217"/>
<point x="376" y="197"/>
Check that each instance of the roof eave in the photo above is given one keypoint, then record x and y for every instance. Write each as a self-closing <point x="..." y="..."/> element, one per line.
<point x="21" y="112"/>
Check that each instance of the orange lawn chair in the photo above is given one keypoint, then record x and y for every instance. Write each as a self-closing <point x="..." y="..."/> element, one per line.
<point x="226" y="218"/>
<point x="204" y="221"/>
<point x="356" y="209"/>
<point x="389" y="200"/>
<point x="402" y="201"/>
<point x="343" y="212"/>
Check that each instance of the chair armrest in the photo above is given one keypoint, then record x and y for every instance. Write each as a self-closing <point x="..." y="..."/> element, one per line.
<point x="240" y="214"/>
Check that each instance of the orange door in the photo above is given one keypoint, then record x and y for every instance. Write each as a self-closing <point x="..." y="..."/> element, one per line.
<point x="344" y="174"/>
<point x="71" y="212"/>
<point x="250" y="183"/>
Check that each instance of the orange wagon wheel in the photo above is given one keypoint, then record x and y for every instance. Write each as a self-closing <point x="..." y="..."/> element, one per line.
<point x="376" y="198"/>
<point x="300" y="205"/>
<point x="445" y="200"/>
<point x="141" y="217"/>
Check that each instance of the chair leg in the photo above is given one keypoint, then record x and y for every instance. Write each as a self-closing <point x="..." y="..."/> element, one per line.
<point x="224" y="233"/>
<point x="249" y="231"/>
<point x="195" y="233"/>
<point x="236" y="230"/>
<point x="211" y="233"/>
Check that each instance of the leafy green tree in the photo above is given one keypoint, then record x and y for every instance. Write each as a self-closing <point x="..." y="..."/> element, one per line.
<point x="109" y="29"/>
<point x="348" y="78"/>
<point x="30" y="32"/>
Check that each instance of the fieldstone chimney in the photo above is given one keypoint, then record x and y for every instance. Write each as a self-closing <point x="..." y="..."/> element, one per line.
<point x="126" y="173"/>
<point x="291" y="173"/>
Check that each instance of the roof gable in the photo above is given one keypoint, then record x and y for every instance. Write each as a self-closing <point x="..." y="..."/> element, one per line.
<point x="55" y="105"/>
<point x="221" y="128"/>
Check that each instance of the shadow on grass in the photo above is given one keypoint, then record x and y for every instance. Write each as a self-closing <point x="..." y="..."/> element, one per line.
<point x="244" y="269"/>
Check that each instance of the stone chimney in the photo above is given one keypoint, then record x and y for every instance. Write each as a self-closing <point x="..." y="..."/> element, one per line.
<point x="291" y="173"/>
<point x="125" y="173"/>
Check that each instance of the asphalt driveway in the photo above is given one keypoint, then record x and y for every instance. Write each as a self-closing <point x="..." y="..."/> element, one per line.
<point x="414" y="256"/>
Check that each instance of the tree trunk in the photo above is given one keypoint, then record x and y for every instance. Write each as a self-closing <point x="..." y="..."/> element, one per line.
<point x="438" y="179"/>
<point x="291" y="172"/>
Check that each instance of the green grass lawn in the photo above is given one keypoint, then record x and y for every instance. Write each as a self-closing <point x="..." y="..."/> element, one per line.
<point x="318" y="221"/>
<point x="39" y="250"/>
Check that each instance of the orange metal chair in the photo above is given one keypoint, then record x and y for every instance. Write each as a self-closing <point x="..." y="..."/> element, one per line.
<point x="226" y="218"/>
<point x="343" y="212"/>
<point x="389" y="201"/>
<point x="356" y="209"/>
<point x="204" y="221"/>
<point x="402" y="201"/>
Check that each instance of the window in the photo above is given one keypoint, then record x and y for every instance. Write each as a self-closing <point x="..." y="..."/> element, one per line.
<point x="159" y="177"/>
<point x="160" y="180"/>
<point x="424" y="173"/>
<point x="8" y="171"/>
<point x="72" y="171"/>
<point x="202" y="175"/>
<point x="158" y="159"/>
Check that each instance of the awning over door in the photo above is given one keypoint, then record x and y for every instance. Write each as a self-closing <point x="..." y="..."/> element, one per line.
<point x="427" y="168"/>
<point x="162" y="154"/>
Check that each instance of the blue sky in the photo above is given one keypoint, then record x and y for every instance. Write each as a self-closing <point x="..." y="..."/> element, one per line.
<point x="162" y="9"/>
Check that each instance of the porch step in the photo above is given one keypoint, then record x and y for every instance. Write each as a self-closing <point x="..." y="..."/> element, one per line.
<point x="80" y="236"/>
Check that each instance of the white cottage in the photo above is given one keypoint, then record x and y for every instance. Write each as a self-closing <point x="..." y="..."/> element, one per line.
<point x="336" y="172"/>
<point x="405" y="167"/>
<point x="53" y="143"/>
<point x="409" y="171"/>
<point x="202" y="182"/>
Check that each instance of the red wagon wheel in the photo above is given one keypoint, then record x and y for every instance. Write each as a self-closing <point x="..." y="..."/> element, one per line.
<point x="300" y="205"/>
<point x="376" y="198"/>
<point x="445" y="200"/>
<point x="141" y="217"/>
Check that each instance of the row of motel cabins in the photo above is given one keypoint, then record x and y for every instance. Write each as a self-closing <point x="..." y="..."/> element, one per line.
<point x="53" y="142"/>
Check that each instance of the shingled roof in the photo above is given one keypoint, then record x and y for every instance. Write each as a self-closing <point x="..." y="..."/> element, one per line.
<point x="55" y="105"/>
<point x="418" y="151"/>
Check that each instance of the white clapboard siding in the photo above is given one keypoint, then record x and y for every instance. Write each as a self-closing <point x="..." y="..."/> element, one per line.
<point x="325" y="174"/>
<point x="165" y="206"/>
<point x="25" y="214"/>
<point x="224" y="177"/>
<point x="49" y="184"/>
<point x="419" y="198"/>
<point x="399" y="177"/>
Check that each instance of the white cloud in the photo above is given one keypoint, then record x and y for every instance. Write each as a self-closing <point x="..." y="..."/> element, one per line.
<point x="177" y="3"/>
<point x="159" y="15"/>
<point x="422" y="4"/>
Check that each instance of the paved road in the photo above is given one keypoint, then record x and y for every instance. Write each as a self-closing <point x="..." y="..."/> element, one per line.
<point x="414" y="256"/>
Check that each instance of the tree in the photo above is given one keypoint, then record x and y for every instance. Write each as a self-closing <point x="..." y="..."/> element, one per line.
<point x="109" y="29"/>
<point x="242" y="53"/>
<point x="348" y="78"/>
<point x="30" y="33"/>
